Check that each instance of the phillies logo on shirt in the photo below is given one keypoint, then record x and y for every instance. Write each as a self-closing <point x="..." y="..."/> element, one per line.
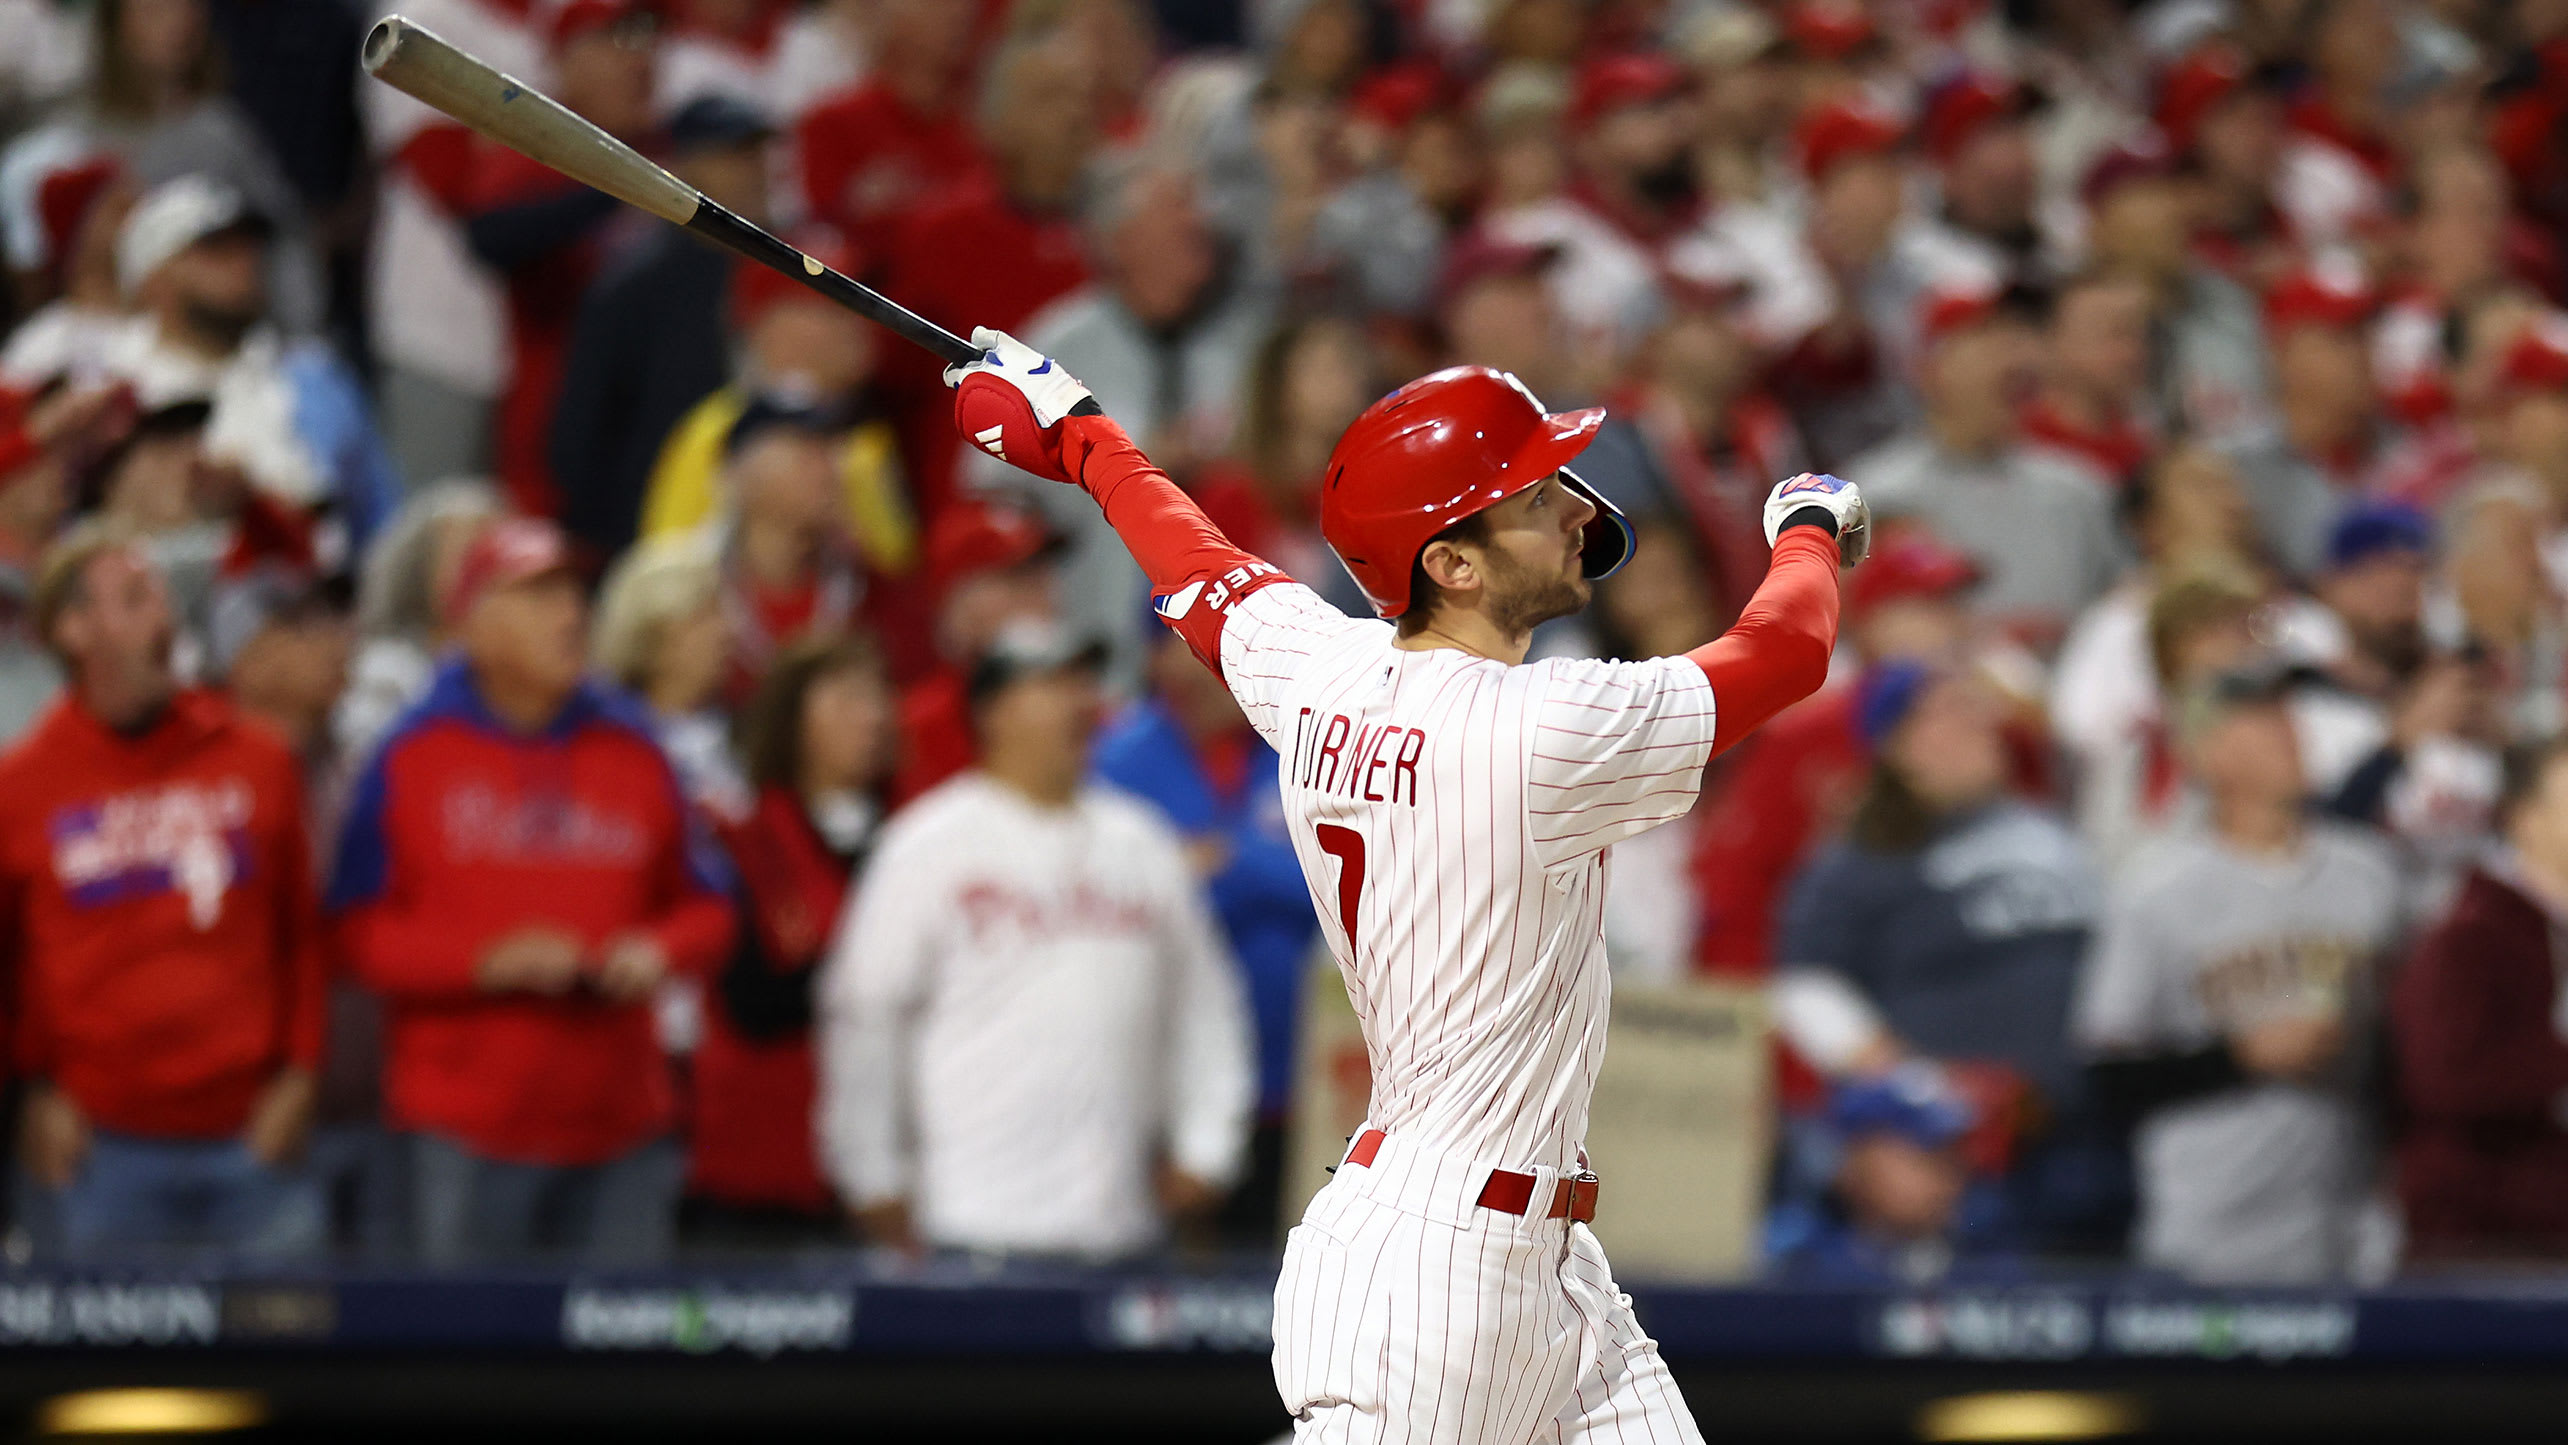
<point x="191" y="839"/>
<point x="484" y="823"/>
<point x="1081" y="911"/>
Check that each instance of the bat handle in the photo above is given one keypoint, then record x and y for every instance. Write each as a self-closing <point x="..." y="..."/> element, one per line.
<point x="718" y="225"/>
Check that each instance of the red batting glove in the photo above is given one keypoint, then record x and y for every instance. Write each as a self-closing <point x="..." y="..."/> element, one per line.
<point x="1010" y="403"/>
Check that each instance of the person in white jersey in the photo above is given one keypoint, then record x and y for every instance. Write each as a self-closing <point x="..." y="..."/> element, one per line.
<point x="1453" y="810"/>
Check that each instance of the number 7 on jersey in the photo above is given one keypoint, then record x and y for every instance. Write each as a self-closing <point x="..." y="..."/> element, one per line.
<point x="1347" y="846"/>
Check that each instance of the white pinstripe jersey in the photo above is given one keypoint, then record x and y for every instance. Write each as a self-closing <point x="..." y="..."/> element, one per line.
<point x="1452" y="815"/>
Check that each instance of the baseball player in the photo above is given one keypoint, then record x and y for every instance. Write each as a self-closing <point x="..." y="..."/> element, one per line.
<point x="1452" y="810"/>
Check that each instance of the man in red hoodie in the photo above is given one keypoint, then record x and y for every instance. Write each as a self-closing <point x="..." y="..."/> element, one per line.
<point x="156" y="909"/>
<point x="519" y="876"/>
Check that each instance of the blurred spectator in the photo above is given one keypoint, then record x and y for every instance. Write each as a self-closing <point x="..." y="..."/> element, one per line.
<point x="1793" y="782"/>
<point x="1310" y="378"/>
<point x="650" y="341"/>
<point x="2179" y="620"/>
<point x="2338" y="164"/>
<point x="819" y="740"/>
<point x="2495" y="598"/>
<point x="821" y="50"/>
<point x="662" y="634"/>
<point x="1899" y="1201"/>
<point x="2222" y="114"/>
<point x="400" y="627"/>
<point x="873" y="153"/>
<point x="1034" y="1038"/>
<point x="2229" y="1005"/>
<point x="2365" y="638"/>
<point x="2531" y="405"/>
<point x="84" y="209"/>
<point x="285" y="63"/>
<point x="1843" y="377"/>
<point x="2041" y="532"/>
<point x="1496" y="306"/>
<point x="439" y="317"/>
<point x="1696" y="436"/>
<point x="987" y="567"/>
<point x="1974" y="128"/>
<point x="1950" y="925"/>
<point x="163" y="927"/>
<point x="206" y="528"/>
<point x="546" y="234"/>
<point x="723" y="49"/>
<point x="1163" y="338"/>
<point x="2093" y="403"/>
<point x="804" y="354"/>
<point x="1188" y="750"/>
<point x="995" y="248"/>
<point x="790" y="563"/>
<point x="1419" y="168"/>
<point x="2321" y="453"/>
<point x="2476" y="1018"/>
<point x="1630" y="119"/>
<point x="289" y="415"/>
<point x="154" y="100"/>
<point x="520" y="1049"/>
<point x="2214" y="377"/>
<point x="40" y="443"/>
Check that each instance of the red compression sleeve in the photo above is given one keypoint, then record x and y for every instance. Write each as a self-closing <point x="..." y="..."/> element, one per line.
<point x="1199" y="572"/>
<point x="1776" y="654"/>
<point x="1161" y="526"/>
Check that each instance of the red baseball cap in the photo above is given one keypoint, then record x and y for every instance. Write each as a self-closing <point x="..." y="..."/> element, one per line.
<point x="64" y="198"/>
<point x="2195" y="84"/>
<point x="1611" y="82"/>
<point x="2142" y="158"/>
<point x="2538" y="358"/>
<point x="2330" y="292"/>
<point x="970" y="538"/>
<point x="1395" y="96"/>
<point x="1840" y="131"/>
<point x="756" y="288"/>
<point x="1828" y="29"/>
<point x="506" y="551"/>
<point x="1953" y="309"/>
<point x="1957" y="109"/>
<point x="1910" y="562"/>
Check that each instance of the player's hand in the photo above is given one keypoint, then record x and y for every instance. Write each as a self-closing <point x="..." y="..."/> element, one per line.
<point x="536" y="959"/>
<point x="1834" y="495"/>
<point x="53" y="1137"/>
<point x="1010" y="403"/>
<point x="2296" y="1047"/>
<point x="281" y="1120"/>
<point x="633" y="969"/>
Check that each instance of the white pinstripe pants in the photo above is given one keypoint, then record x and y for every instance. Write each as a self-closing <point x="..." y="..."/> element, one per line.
<point x="1393" y="1327"/>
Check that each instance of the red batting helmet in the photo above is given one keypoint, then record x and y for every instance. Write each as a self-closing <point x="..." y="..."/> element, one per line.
<point x="1440" y="449"/>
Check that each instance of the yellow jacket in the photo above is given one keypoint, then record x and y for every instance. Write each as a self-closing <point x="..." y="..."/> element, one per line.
<point x="685" y="489"/>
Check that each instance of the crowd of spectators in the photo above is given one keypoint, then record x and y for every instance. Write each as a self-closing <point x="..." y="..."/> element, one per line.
<point x="528" y="735"/>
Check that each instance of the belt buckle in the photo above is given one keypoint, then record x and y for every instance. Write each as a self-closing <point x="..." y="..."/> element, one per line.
<point x="1582" y="1195"/>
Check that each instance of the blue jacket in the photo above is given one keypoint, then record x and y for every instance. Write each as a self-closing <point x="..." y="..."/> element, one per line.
<point x="1264" y="905"/>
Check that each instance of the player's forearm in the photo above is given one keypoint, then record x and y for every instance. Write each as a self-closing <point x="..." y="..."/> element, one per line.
<point x="1160" y="525"/>
<point x="1777" y="653"/>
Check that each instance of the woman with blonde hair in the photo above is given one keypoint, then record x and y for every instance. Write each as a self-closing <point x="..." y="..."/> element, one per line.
<point x="661" y="633"/>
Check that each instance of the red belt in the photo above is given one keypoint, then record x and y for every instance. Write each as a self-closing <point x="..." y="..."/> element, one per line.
<point x="1507" y="1191"/>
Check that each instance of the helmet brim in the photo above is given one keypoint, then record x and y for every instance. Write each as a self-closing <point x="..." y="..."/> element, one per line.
<point x="1609" y="541"/>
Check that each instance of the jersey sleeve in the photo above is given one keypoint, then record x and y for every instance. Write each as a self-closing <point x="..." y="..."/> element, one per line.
<point x="1261" y="642"/>
<point x="1617" y="749"/>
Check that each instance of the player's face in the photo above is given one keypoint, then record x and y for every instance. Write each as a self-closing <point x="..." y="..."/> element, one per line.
<point x="1530" y="561"/>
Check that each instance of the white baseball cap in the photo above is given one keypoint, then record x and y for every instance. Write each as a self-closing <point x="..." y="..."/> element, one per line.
<point x="173" y="216"/>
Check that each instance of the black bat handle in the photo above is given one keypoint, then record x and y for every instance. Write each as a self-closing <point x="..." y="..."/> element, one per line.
<point x="718" y="225"/>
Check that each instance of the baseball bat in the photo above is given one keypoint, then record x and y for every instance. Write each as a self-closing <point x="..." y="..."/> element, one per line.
<point x="410" y="57"/>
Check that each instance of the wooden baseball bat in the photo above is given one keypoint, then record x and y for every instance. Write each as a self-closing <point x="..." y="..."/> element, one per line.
<point x="410" y="57"/>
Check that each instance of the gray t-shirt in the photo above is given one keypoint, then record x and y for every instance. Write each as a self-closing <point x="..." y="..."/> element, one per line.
<point x="2040" y="530"/>
<point x="2263" y="1182"/>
